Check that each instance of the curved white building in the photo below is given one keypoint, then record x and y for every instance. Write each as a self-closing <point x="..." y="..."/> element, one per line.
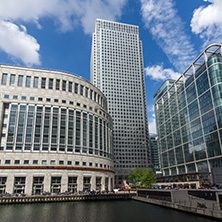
<point x="56" y="134"/>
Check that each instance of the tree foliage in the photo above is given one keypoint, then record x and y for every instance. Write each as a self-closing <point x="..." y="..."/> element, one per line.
<point x="142" y="177"/>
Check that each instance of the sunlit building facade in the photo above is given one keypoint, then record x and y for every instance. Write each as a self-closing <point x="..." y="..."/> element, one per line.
<point x="56" y="133"/>
<point x="117" y="70"/>
<point x="189" y="120"/>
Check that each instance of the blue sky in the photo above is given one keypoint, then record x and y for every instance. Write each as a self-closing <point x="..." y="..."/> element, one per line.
<point x="56" y="34"/>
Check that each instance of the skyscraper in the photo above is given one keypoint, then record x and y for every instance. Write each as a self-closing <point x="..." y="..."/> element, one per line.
<point x="117" y="70"/>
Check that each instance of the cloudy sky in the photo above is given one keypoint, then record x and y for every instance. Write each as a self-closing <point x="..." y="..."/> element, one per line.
<point x="56" y="34"/>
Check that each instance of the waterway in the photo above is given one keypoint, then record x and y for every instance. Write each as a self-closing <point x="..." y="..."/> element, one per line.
<point x="94" y="211"/>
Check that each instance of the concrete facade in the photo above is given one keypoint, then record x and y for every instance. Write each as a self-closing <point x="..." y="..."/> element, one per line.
<point x="56" y="133"/>
<point x="117" y="70"/>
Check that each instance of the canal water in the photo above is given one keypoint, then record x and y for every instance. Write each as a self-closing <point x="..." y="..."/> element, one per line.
<point x="94" y="211"/>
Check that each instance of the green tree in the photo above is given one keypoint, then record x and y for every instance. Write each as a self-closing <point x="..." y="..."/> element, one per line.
<point x="148" y="178"/>
<point x="142" y="177"/>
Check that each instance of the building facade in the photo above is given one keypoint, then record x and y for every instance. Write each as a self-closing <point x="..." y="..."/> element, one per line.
<point x="56" y="133"/>
<point x="189" y="122"/>
<point x="117" y="70"/>
<point x="155" y="155"/>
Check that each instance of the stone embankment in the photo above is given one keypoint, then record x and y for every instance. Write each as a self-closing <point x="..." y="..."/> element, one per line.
<point x="63" y="198"/>
<point x="206" y="203"/>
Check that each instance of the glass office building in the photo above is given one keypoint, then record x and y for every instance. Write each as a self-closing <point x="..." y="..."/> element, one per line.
<point x="117" y="70"/>
<point x="189" y="120"/>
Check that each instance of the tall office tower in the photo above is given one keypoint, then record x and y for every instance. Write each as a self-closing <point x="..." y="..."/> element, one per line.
<point x="117" y="70"/>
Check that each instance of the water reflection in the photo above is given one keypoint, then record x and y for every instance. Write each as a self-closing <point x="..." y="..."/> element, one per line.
<point x="96" y="211"/>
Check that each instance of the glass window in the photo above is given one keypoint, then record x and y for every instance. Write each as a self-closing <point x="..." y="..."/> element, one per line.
<point x="50" y="83"/>
<point x="28" y="81"/>
<point x="23" y="97"/>
<point x="26" y="161"/>
<point x="57" y="84"/>
<point x="63" y="85"/>
<point x="199" y="149"/>
<point x="4" y="78"/>
<point x="76" y="88"/>
<point x="6" y="96"/>
<point x="44" y="161"/>
<point x="52" y="162"/>
<point x="209" y="122"/>
<point x="32" y="98"/>
<point x="205" y="102"/>
<point x="17" y="161"/>
<point x="81" y="90"/>
<point x="20" y="81"/>
<point x="70" y="86"/>
<point x="213" y="145"/>
<point x="202" y="83"/>
<point x="12" y="80"/>
<point x="86" y="92"/>
<point x="43" y="83"/>
<point x="36" y="82"/>
<point x="7" y="161"/>
<point x="35" y="161"/>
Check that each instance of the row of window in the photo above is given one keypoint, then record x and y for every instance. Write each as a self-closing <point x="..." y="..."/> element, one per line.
<point x="54" y="84"/>
<point x="40" y="99"/>
<point x="60" y="162"/>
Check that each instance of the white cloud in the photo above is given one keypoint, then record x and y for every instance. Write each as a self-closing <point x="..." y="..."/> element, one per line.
<point x="150" y="108"/>
<point x="16" y="42"/>
<point x="157" y="72"/>
<point x="67" y="14"/>
<point x="152" y="126"/>
<point x="207" y="22"/>
<point x="167" y="29"/>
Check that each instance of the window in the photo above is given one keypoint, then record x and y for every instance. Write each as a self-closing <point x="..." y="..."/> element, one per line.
<point x="20" y="81"/>
<point x="50" y="83"/>
<point x="70" y="86"/>
<point x="81" y="90"/>
<point x="48" y="99"/>
<point x="43" y="83"/>
<point x="15" y="97"/>
<point x="61" y="162"/>
<point x="17" y="161"/>
<point x="6" y="96"/>
<point x="76" y="88"/>
<point x="44" y="161"/>
<point x="36" y="82"/>
<point x="4" y="78"/>
<point x="63" y="85"/>
<point x="71" y="102"/>
<point x="56" y="100"/>
<point x="40" y="99"/>
<point x="86" y="92"/>
<point x="77" y="163"/>
<point x="7" y="161"/>
<point x="78" y="104"/>
<point x="23" y="97"/>
<point x="35" y="161"/>
<point x="28" y="81"/>
<point x="90" y="164"/>
<point x="64" y="101"/>
<point x="12" y="80"/>
<point x="69" y="162"/>
<point x="32" y="98"/>
<point x="57" y="84"/>
<point x="84" y="163"/>
<point x="52" y="162"/>
<point x="26" y="161"/>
